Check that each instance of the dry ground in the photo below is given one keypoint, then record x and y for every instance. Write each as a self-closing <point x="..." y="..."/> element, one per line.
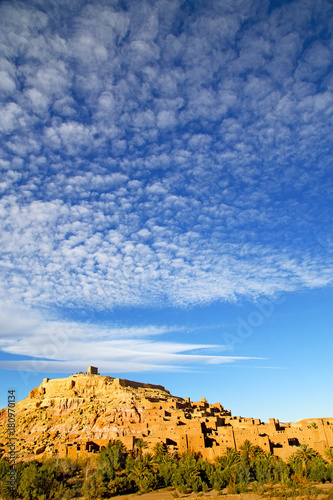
<point x="167" y="494"/>
<point x="172" y="494"/>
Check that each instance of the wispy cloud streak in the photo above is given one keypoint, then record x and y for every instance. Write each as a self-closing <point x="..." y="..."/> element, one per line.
<point x="53" y="345"/>
<point x="159" y="154"/>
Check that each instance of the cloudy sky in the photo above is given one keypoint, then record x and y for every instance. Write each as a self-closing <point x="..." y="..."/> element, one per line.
<point x="166" y="181"/>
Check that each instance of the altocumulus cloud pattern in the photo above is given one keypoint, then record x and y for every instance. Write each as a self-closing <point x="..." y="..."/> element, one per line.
<point x="163" y="152"/>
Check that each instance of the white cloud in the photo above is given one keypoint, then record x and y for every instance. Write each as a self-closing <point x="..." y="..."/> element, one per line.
<point x="159" y="156"/>
<point x="9" y="117"/>
<point x="56" y="345"/>
<point x="166" y="119"/>
<point x="38" y="100"/>
<point x="7" y="84"/>
<point x="75" y="254"/>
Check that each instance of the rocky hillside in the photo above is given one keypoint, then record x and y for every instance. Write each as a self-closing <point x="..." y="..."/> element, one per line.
<point x="93" y="406"/>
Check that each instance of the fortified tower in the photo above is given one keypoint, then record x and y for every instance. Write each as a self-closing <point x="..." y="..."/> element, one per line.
<point x="92" y="370"/>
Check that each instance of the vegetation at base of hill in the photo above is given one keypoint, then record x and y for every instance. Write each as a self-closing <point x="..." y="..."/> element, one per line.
<point x="114" y="471"/>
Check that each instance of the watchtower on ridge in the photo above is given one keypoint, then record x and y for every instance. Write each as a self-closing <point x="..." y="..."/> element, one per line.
<point x="92" y="370"/>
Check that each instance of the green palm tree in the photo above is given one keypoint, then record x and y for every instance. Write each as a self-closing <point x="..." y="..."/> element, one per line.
<point x="226" y="466"/>
<point x="112" y="459"/>
<point x="329" y="454"/>
<point x="187" y="475"/>
<point x="143" y="473"/>
<point x="228" y="461"/>
<point x="160" y="450"/>
<point x="140" y="445"/>
<point x="167" y="465"/>
<point x="149" y="461"/>
<point x="249" y="451"/>
<point x="264" y="463"/>
<point x="302" y="456"/>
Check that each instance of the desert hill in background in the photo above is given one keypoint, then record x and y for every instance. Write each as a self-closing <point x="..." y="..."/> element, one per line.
<point x="80" y="414"/>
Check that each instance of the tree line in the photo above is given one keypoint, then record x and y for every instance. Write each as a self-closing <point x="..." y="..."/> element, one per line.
<point x="115" y="471"/>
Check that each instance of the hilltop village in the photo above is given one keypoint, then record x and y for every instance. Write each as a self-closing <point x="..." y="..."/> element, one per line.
<point x="80" y="415"/>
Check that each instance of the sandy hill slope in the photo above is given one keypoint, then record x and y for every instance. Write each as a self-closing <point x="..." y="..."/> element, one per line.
<point x="82" y="405"/>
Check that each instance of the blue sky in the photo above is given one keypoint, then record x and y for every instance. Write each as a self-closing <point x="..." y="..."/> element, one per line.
<point x="166" y="182"/>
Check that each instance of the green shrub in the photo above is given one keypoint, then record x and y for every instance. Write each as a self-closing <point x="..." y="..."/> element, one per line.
<point x="166" y="470"/>
<point x="218" y="479"/>
<point x="329" y="469"/>
<point x="187" y="476"/>
<point x="119" y="486"/>
<point x="94" y="487"/>
<point x="39" y="482"/>
<point x="5" y="489"/>
<point x="281" y="471"/>
<point x="318" y="470"/>
<point x="243" y="472"/>
<point x="112" y="459"/>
